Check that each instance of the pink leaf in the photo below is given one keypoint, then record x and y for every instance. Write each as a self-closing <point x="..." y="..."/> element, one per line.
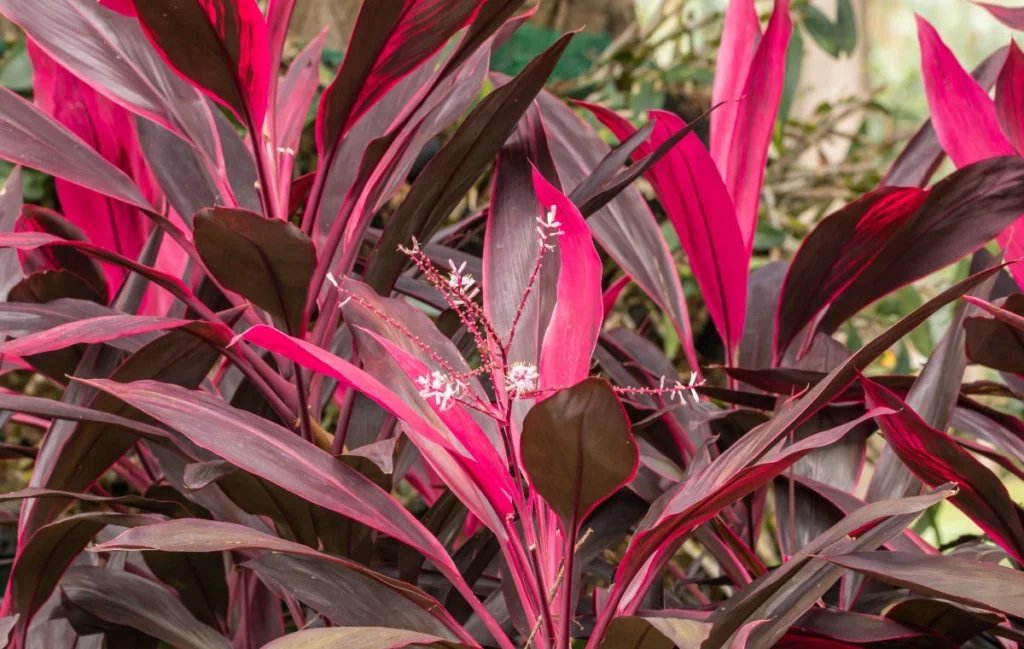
<point x="221" y="46"/>
<point x="1010" y="97"/>
<point x="124" y="7"/>
<point x="293" y="100"/>
<point x="571" y="336"/>
<point x="698" y="204"/>
<point x="755" y="121"/>
<point x="612" y="293"/>
<point x="740" y="36"/>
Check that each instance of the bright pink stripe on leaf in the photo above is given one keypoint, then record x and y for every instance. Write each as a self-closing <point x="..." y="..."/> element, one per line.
<point x="571" y="337"/>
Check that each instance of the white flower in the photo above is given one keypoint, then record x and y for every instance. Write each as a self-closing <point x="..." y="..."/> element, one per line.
<point x="441" y="387"/>
<point x="459" y="281"/>
<point x="521" y="379"/>
<point x="548" y="227"/>
<point x="678" y="391"/>
<point x="409" y="251"/>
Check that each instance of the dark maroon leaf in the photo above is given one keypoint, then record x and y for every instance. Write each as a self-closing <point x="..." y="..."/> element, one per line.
<point x="221" y="46"/>
<point x="199" y="578"/>
<point x="944" y="619"/>
<point x="10" y="210"/>
<point x="115" y="597"/>
<point x="935" y="458"/>
<point x="974" y="583"/>
<point x="756" y="348"/>
<point x="442" y="183"/>
<point x="166" y="507"/>
<point x="578" y="450"/>
<point x="269" y="262"/>
<point x="361" y="637"/>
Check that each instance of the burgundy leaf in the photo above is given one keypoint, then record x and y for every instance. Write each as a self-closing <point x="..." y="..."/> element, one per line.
<point x="577" y="449"/>
<point x="697" y="202"/>
<point x="42" y="560"/>
<point x="935" y="458"/>
<point x="114" y="596"/>
<point x="974" y="583"/>
<point x="294" y="98"/>
<point x="269" y="262"/>
<point x="1010" y="97"/>
<point x="221" y="46"/>
<point x="985" y="194"/>
<point x="756" y="350"/>
<point x="654" y="632"/>
<point x="571" y="336"/>
<point x="10" y="210"/>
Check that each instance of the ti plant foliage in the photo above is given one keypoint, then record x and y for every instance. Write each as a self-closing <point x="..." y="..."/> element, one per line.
<point x="341" y="411"/>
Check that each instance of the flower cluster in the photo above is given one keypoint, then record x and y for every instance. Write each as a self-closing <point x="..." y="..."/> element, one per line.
<point x="443" y="388"/>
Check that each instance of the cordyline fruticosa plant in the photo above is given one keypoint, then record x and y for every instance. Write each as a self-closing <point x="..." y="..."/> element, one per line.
<point x="337" y="424"/>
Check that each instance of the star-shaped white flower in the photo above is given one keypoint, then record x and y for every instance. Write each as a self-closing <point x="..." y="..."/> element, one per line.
<point x="521" y="378"/>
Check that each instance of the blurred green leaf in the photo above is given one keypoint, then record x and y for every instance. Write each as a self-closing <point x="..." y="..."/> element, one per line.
<point x="794" y="65"/>
<point x="835" y="38"/>
<point x="846" y="25"/>
<point x="766" y="237"/>
<point x="16" y="70"/>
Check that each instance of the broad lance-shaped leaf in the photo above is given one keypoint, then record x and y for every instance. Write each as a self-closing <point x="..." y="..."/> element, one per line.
<point x="625" y="226"/>
<point x="697" y="202"/>
<point x="935" y="458"/>
<point x="267" y="261"/>
<point x="654" y="632"/>
<point x="113" y="596"/>
<point x="221" y="46"/>
<point x="893" y="237"/>
<point x="973" y="583"/>
<point x="578" y="450"/>
<point x="998" y="342"/>
<point x="31" y="138"/>
<point x="571" y="336"/>
<point x="1010" y="97"/>
<point x="755" y="120"/>
<point x="368" y="597"/>
<point x="10" y="210"/>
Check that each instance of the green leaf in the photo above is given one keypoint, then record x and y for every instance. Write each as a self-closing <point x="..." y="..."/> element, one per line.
<point x="821" y="29"/>
<point x="846" y="27"/>
<point x="794" y="65"/>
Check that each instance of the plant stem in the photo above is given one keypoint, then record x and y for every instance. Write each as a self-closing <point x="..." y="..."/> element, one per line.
<point x="568" y="559"/>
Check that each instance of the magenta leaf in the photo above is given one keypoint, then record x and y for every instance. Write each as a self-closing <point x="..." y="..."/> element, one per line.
<point x="221" y="46"/>
<point x="935" y="458"/>
<point x="698" y="204"/>
<point x="741" y="33"/>
<point x="575" y="325"/>
<point x="124" y="7"/>
<point x="754" y="123"/>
